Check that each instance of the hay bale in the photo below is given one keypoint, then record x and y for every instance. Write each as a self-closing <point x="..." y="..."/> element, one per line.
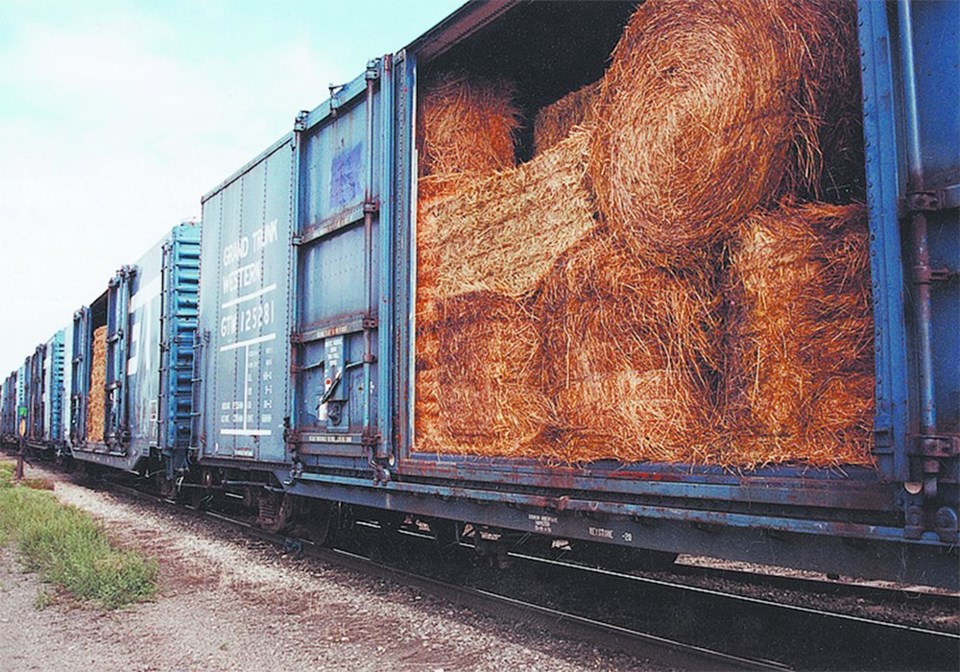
<point x="554" y="122"/>
<point x="432" y="188"/>
<point x="627" y="352"/>
<point x="502" y="233"/>
<point x="466" y="123"/>
<point x="477" y="388"/>
<point x="96" y="400"/>
<point x="799" y="349"/>
<point x="712" y="108"/>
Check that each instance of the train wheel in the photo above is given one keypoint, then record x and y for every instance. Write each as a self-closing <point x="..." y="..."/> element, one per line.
<point x="322" y="522"/>
<point x="446" y="534"/>
<point x="198" y="498"/>
<point x="165" y="487"/>
<point x="275" y="512"/>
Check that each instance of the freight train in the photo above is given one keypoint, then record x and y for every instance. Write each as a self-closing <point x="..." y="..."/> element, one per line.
<point x="276" y="351"/>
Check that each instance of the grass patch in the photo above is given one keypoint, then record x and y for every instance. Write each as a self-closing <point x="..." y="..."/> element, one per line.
<point x="6" y="472"/>
<point x="66" y="547"/>
<point x="6" y="476"/>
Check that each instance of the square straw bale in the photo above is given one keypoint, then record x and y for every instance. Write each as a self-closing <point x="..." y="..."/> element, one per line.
<point x="477" y="390"/>
<point x="502" y="233"/>
<point x="799" y="346"/>
<point x="96" y="401"/>
<point x="626" y="355"/>
<point x="554" y="122"/>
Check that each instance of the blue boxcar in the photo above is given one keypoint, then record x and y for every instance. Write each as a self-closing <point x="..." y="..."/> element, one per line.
<point x="307" y="322"/>
<point x="44" y="393"/>
<point x="44" y="397"/>
<point x="150" y="312"/>
<point x="49" y="432"/>
<point x="33" y="391"/>
<point x="52" y="388"/>
<point x="8" y="411"/>
<point x="20" y="402"/>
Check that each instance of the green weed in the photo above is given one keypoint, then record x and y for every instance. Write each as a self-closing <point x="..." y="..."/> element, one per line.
<point x="43" y="599"/>
<point x="65" y="546"/>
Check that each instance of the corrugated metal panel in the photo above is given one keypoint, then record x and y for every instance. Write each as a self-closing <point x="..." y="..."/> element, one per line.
<point x="181" y="280"/>
<point x="21" y="392"/>
<point x="245" y="312"/>
<point x="337" y="271"/>
<point x="63" y="430"/>
<point x="80" y="376"/>
<point x="53" y="388"/>
<point x="144" y="357"/>
<point x="35" y="393"/>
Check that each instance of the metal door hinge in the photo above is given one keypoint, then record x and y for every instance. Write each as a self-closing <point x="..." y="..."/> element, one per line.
<point x="924" y="275"/>
<point x="934" y="445"/>
<point x="933" y="200"/>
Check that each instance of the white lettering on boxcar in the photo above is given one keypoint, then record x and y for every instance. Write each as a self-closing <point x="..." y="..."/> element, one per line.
<point x="542" y="523"/>
<point x="601" y="532"/>
<point x="245" y="276"/>
<point x="264" y="236"/>
<point x="235" y="251"/>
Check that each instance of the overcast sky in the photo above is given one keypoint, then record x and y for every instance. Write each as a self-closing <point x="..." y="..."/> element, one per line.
<point x="116" y="116"/>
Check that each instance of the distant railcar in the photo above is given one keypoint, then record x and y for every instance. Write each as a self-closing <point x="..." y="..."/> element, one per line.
<point x="146" y="321"/>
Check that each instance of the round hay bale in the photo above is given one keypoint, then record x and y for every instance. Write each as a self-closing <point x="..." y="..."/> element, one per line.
<point x="712" y="108"/>
<point x="466" y="123"/>
<point x="477" y="390"/>
<point x="799" y="343"/>
<point x="625" y="356"/>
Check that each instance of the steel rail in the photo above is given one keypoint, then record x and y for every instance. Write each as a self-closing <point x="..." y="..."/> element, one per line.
<point x="912" y="647"/>
<point x="606" y="635"/>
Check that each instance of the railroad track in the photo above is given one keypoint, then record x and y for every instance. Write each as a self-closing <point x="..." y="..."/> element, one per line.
<point x="922" y="596"/>
<point x="799" y="636"/>
<point x="693" y="628"/>
<point x="598" y="632"/>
